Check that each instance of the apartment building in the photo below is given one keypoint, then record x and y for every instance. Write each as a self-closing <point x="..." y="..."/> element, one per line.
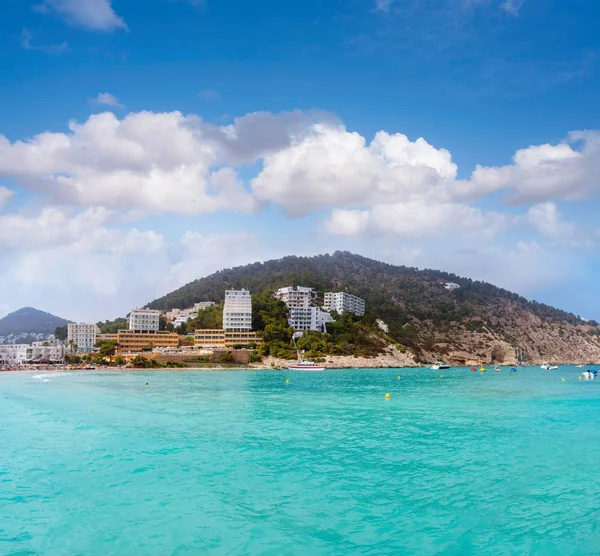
<point x="144" y="320"/>
<point x="308" y="318"/>
<point x="84" y="336"/>
<point x="237" y="312"/>
<point x="342" y="301"/>
<point x="106" y="338"/>
<point x="299" y="296"/>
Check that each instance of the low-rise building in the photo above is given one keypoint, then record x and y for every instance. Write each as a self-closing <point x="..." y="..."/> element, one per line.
<point x="19" y="354"/>
<point x="144" y="320"/>
<point x="131" y="341"/>
<point x="107" y="338"/>
<point x="342" y="302"/>
<point x="82" y="337"/>
<point x="221" y="338"/>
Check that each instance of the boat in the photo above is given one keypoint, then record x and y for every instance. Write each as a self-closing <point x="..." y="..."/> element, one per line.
<point x="580" y="366"/>
<point x="589" y="375"/>
<point x="553" y="367"/>
<point x="545" y="366"/>
<point x="513" y="370"/>
<point x="307" y="366"/>
<point x="496" y="369"/>
<point x="473" y="368"/>
<point x="439" y="366"/>
<point x="482" y="369"/>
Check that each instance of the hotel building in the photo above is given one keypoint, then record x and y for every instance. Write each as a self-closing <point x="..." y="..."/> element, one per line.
<point x="132" y="341"/>
<point x="220" y="338"/>
<point x="237" y="312"/>
<point x="342" y="301"/>
<point x="144" y="320"/>
<point x="84" y="336"/>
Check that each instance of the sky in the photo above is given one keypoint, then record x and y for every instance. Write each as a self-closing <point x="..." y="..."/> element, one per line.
<point x="145" y="145"/>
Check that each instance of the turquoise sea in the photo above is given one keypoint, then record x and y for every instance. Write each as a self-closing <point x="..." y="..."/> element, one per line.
<point x="245" y="463"/>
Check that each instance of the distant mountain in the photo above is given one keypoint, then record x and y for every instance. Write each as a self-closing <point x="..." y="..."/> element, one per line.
<point x="30" y="321"/>
<point x="433" y="314"/>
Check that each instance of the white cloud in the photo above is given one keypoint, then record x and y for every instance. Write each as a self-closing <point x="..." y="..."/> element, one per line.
<point x="416" y="219"/>
<point x="546" y="218"/>
<point x="157" y="162"/>
<point x="543" y="172"/>
<point x="328" y="166"/>
<point x="53" y="49"/>
<point x="106" y="99"/>
<point x="96" y="15"/>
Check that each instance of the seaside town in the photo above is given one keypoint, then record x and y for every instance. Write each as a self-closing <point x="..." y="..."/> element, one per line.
<point x="144" y="341"/>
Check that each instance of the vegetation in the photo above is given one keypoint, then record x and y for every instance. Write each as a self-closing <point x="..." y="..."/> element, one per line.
<point x="211" y="317"/>
<point x="61" y="333"/>
<point x="113" y="326"/>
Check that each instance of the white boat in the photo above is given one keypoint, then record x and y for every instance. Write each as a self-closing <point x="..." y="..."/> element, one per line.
<point x="439" y="366"/>
<point x="553" y="367"/>
<point x="307" y="366"/>
<point x="545" y="366"/>
<point x="588" y="375"/>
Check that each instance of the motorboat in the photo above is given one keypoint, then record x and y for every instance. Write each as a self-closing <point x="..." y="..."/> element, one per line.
<point x="307" y="366"/>
<point x="545" y="366"/>
<point x="590" y="375"/>
<point x="496" y="369"/>
<point x="440" y="366"/>
<point x="553" y="367"/>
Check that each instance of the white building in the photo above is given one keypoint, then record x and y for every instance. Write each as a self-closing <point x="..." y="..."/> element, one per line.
<point x="189" y="313"/>
<point x="144" y="320"/>
<point x="18" y="354"/>
<point x="237" y="313"/>
<point x="83" y="336"/>
<point x="180" y="320"/>
<point x="295" y="297"/>
<point x="342" y="301"/>
<point x="203" y="305"/>
<point x="451" y="286"/>
<point x="308" y="318"/>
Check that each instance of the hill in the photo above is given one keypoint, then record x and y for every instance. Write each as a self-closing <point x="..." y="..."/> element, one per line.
<point x="30" y="321"/>
<point x="476" y="321"/>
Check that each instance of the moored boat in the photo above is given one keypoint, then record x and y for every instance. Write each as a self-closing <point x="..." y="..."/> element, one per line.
<point x="439" y="366"/>
<point x="307" y="366"/>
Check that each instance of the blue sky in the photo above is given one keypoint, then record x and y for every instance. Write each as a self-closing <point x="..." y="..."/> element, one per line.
<point x="142" y="147"/>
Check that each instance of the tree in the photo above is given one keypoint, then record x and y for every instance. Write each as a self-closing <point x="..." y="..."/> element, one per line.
<point x="61" y="333"/>
<point x="107" y="349"/>
<point x="119" y="360"/>
<point x="73" y="346"/>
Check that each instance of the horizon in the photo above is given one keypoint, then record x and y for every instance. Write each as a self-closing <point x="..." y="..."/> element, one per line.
<point x="144" y="148"/>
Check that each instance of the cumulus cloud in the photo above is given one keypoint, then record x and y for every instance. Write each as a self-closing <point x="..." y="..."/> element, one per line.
<point x="415" y="219"/>
<point x="158" y="162"/>
<point x="543" y="172"/>
<point x="106" y="99"/>
<point x="96" y="15"/>
<point x="546" y="218"/>
<point x="330" y="166"/>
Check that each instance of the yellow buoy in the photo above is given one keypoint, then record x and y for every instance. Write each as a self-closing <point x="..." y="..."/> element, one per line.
<point x="398" y="378"/>
<point x="579" y="377"/>
<point x="441" y="376"/>
<point x="388" y="396"/>
<point x="146" y="383"/>
<point x="287" y="380"/>
<point x="90" y="410"/>
<point x="563" y="379"/>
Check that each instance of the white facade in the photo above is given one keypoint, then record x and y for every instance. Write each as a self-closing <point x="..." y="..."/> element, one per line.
<point x="18" y="354"/>
<point x="308" y="318"/>
<point x="83" y="336"/>
<point x="295" y="297"/>
<point x="189" y="313"/>
<point x="180" y="320"/>
<point x="342" y="301"/>
<point x="237" y="313"/>
<point x="144" y="320"/>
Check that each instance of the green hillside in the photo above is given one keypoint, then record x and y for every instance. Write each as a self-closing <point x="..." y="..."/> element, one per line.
<point x="421" y="313"/>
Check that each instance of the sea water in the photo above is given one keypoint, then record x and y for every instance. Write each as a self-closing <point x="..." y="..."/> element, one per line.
<point x="99" y="463"/>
